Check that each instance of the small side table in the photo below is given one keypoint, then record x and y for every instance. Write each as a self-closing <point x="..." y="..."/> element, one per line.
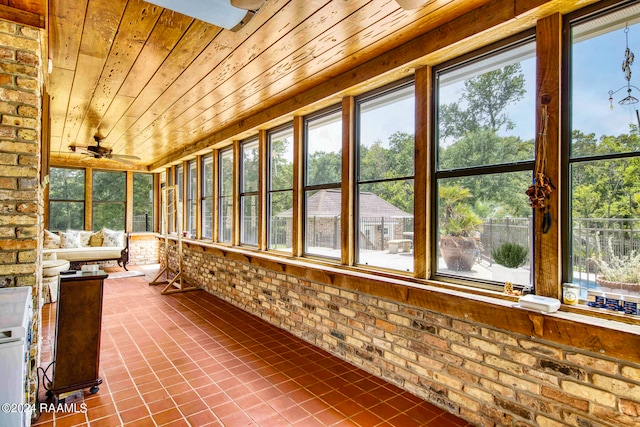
<point x="78" y="328"/>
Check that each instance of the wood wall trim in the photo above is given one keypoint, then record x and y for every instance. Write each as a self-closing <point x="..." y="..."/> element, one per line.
<point x="548" y="255"/>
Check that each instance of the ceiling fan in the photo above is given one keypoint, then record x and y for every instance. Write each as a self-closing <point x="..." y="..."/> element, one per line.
<point x="99" y="152"/>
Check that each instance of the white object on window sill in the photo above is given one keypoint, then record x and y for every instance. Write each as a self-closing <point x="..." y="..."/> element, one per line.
<point x="538" y="303"/>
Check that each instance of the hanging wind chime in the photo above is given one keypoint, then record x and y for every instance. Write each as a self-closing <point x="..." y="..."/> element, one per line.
<point x="626" y="69"/>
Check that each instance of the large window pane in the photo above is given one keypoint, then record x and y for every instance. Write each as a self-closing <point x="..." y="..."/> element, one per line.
<point x="486" y="111"/>
<point x="250" y="167"/>
<point x="142" y="202"/>
<point x="486" y="121"/>
<point x="476" y="237"/>
<point x="280" y="220"/>
<point x="249" y="194"/>
<point x="323" y="222"/>
<point x="192" y="182"/>
<point x="108" y="215"/>
<point x="324" y="149"/>
<point x="280" y="190"/>
<point x="385" y="228"/>
<point x="385" y="179"/>
<point x="66" y="215"/>
<point x="386" y="128"/>
<point x="207" y="197"/>
<point x="109" y="196"/>
<point x="249" y="230"/>
<point x="225" y="197"/>
<point x="323" y="177"/>
<point x="66" y="199"/>
<point x="66" y="184"/>
<point x="605" y="156"/>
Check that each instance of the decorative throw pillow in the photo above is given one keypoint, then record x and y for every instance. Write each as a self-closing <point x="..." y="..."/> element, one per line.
<point x="112" y="238"/>
<point x="96" y="239"/>
<point x="85" y="236"/>
<point x="51" y="240"/>
<point x="69" y="239"/>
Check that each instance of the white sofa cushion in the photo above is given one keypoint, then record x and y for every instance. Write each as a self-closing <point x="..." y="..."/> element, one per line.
<point x="112" y="238"/>
<point x="51" y="240"/>
<point x="87" y="254"/>
<point x="69" y="239"/>
<point x="84" y="238"/>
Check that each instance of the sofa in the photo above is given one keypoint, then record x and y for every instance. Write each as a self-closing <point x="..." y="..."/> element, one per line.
<point x="82" y="247"/>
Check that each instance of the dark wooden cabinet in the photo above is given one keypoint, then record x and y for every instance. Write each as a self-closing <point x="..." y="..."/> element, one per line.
<point x="78" y="326"/>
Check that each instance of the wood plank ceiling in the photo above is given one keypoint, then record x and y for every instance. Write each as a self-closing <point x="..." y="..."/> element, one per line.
<point x="153" y="82"/>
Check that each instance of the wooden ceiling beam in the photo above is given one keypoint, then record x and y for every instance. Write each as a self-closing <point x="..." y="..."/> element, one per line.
<point x="31" y="14"/>
<point x="87" y="162"/>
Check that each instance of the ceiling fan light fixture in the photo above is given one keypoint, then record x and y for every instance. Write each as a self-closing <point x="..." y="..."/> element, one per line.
<point x="412" y="4"/>
<point x="248" y="4"/>
<point x="217" y="12"/>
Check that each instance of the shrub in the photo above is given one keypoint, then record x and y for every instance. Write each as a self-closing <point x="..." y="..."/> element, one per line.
<point x="622" y="269"/>
<point x="511" y="255"/>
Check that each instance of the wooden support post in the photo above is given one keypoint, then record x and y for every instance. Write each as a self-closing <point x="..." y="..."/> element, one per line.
<point x="422" y="172"/>
<point x="348" y="178"/>
<point x="548" y="253"/>
<point x="298" y="187"/>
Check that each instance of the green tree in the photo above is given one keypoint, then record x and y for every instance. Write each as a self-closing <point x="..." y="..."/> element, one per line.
<point x="324" y="168"/>
<point x="483" y="103"/>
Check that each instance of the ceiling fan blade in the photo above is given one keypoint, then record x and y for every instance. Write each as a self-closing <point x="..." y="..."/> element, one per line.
<point x="125" y="157"/>
<point x="80" y="150"/>
<point x="130" y="160"/>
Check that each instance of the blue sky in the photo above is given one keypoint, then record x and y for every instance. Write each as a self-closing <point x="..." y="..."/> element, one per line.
<point x="597" y="70"/>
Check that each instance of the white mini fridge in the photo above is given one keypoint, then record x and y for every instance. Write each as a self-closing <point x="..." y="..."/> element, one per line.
<point x="15" y="341"/>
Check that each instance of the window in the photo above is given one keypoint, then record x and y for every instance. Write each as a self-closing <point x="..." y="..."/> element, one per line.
<point x="323" y="177"/>
<point x="604" y="155"/>
<point x="66" y="199"/>
<point x="142" y="202"/>
<point x="179" y="197"/>
<point x="249" y="193"/>
<point x="385" y="169"/>
<point x="484" y="162"/>
<point x="225" y="196"/>
<point x="109" y="199"/>
<point x="192" y="182"/>
<point x="163" y="186"/>
<point x="280" y="189"/>
<point x="207" y="197"/>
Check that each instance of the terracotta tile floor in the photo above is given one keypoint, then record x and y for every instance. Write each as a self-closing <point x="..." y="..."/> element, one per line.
<point x="193" y="360"/>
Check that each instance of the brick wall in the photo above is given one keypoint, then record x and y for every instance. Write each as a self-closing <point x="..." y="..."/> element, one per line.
<point x="486" y="375"/>
<point x="144" y="249"/>
<point x="20" y="194"/>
